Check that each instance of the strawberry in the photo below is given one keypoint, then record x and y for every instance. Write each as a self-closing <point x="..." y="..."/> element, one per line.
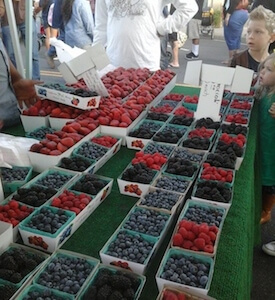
<point x="67" y="141"/>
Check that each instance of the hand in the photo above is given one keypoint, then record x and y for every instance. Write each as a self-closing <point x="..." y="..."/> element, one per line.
<point x="25" y="91"/>
<point x="272" y="110"/>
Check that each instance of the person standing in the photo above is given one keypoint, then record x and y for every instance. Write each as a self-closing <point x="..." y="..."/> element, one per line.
<point x="269" y="4"/>
<point x="14" y="90"/>
<point x="130" y="30"/>
<point x="193" y="32"/>
<point x="235" y="16"/>
<point x="266" y="96"/>
<point x="19" y="12"/>
<point x="78" y="23"/>
<point x="260" y="34"/>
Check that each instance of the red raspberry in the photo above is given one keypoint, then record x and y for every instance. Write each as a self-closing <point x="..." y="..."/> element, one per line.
<point x="208" y="249"/>
<point x="195" y="229"/>
<point x="183" y="232"/>
<point x="13" y="204"/>
<point x="177" y="240"/>
<point x="56" y="202"/>
<point x="181" y="297"/>
<point x="187" y="244"/>
<point x="186" y="224"/>
<point x="75" y="209"/>
<point x="212" y="236"/>
<point x="191" y="235"/>
<point x="199" y="243"/>
<point x="205" y="236"/>
<point x="204" y="228"/>
<point x="214" y="228"/>
<point x="168" y="295"/>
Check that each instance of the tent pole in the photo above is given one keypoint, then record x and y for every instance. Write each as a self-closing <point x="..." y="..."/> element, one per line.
<point x="29" y="39"/>
<point x="14" y="37"/>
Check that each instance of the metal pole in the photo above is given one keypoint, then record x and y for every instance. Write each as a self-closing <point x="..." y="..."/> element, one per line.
<point x="14" y="37"/>
<point x="29" y="39"/>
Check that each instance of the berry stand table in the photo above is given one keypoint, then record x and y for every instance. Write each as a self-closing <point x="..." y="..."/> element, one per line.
<point x="233" y="266"/>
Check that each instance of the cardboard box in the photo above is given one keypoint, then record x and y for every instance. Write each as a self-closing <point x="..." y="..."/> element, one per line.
<point x="43" y="240"/>
<point x="161" y="282"/>
<point x="101" y="268"/>
<point x="42" y="162"/>
<point x="58" y="123"/>
<point x="154" y="199"/>
<point x="189" y="294"/>
<point x="30" y="253"/>
<point x="31" y="123"/>
<point x="58" y="256"/>
<point x="192" y="204"/>
<point x="69" y="99"/>
<point x="135" y="266"/>
<point x="226" y="205"/>
<point x="41" y="292"/>
<point x="11" y="186"/>
<point x="133" y="188"/>
<point x="177" y="184"/>
<point x="138" y="143"/>
<point x="102" y="193"/>
<point x="6" y="235"/>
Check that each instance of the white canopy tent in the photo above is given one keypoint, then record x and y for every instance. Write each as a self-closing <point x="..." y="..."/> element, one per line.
<point x="15" y="38"/>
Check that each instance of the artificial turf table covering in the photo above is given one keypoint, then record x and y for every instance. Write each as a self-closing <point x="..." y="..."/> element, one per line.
<point x="233" y="266"/>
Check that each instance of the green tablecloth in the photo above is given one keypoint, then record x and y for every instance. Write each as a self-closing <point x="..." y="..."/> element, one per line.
<point x="233" y="266"/>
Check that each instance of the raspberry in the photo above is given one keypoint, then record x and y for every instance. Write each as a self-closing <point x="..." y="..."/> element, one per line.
<point x="204" y="228"/>
<point x="177" y="240"/>
<point x="75" y="209"/>
<point x="214" y="228"/>
<point x="199" y="243"/>
<point x="205" y="236"/>
<point x="195" y="229"/>
<point x="13" y="204"/>
<point x="186" y="224"/>
<point x="183" y="232"/>
<point x="212" y="236"/>
<point x="208" y="249"/>
<point x="187" y="244"/>
<point x="191" y="235"/>
<point x="181" y="297"/>
<point x="56" y="202"/>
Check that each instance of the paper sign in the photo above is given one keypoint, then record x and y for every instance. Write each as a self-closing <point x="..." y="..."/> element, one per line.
<point x="242" y="80"/>
<point x="94" y="82"/>
<point x="210" y="100"/>
<point x="99" y="56"/>
<point x="193" y="73"/>
<point x="217" y="74"/>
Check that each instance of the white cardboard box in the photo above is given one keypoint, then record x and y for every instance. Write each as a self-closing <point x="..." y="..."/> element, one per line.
<point x="6" y="235"/>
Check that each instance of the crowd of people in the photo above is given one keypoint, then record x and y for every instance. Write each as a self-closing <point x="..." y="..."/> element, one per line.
<point x="135" y="35"/>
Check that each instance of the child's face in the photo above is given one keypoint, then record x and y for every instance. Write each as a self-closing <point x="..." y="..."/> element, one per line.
<point x="257" y="37"/>
<point x="267" y="74"/>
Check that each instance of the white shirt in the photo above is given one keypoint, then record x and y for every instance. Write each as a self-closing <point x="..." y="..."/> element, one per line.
<point x="130" y="29"/>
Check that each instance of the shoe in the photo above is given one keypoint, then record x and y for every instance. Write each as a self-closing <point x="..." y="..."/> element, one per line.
<point x="269" y="248"/>
<point x="191" y="56"/>
<point x="174" y="66"/>
<point x="49" y="60"/>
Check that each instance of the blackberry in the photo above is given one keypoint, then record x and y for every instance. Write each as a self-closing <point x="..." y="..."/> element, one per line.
<point x="129" y="294"/>
<point x="120" y="282"/>
<point x="6" y="291"/>
<point x="5" y="274"/>
<point x="31" y="264"/>
<point x="116" y="295"/>
<point x="104" y="292"/>
<point x="10" y="263"/>
<point x="102" y="279"/>
<point x="16" y="277"/>
<point x="91" y="293"/>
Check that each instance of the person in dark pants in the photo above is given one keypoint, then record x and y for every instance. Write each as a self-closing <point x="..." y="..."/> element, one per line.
<point x="57" y="31"/>
<point x="269" y="4"/>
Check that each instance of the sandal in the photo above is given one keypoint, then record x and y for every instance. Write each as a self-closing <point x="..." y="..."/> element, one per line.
<point x="174" y="66"/>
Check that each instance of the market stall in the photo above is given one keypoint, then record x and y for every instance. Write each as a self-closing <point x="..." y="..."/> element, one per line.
<point x="233" y="265"/>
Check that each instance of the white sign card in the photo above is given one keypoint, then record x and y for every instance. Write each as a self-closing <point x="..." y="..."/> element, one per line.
<point x="193" y="73"/>
<point x="242" y="80"/>
<point x="210" y="100"/>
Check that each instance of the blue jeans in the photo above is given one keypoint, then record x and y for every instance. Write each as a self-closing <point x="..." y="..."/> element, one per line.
<point x="233" y="32"/>
<point x="6" y="37"/>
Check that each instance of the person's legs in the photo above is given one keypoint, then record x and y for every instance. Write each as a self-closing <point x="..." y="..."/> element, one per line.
<point x="193" y="32"/>
<point x="173" y="40"/>
<point x="163" y="52"/>
<point x="35" y="56"/>
<point x="51" y="53"/>
<point x="6" y="37"/>
<point x="268" y="201"/>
